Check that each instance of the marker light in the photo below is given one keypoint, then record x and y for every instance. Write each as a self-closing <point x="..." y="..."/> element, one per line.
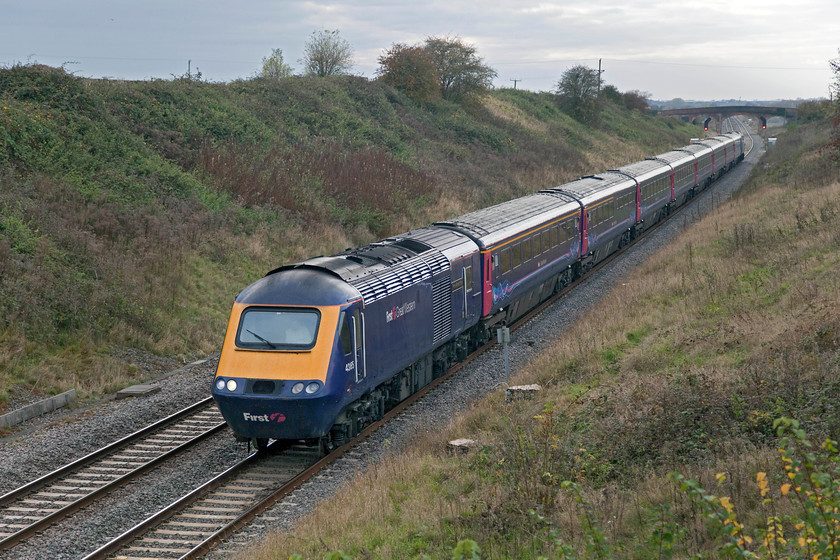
<point x="312" y="388"/>
<point x="220" y="384"/>
<point x="231" y="385"/>
<point x="297" y="388"/>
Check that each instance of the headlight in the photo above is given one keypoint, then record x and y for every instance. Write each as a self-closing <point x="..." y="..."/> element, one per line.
<point x="312" y="388"/>
<point x="231" y="385"/>
<point x="297" y="388"/>
<point x="220" y="384"/>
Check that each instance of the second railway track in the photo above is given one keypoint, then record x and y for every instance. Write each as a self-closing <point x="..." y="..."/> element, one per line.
<point x="35" y="506"/>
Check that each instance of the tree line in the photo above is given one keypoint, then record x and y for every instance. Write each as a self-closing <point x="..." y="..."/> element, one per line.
<point x="446" y="68"/>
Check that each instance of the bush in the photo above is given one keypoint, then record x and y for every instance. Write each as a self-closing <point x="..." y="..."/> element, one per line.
<point x="636" y="100"/>
<point x="411" y="70"/>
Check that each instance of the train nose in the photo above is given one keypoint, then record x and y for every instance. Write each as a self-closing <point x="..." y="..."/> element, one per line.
<point x="252" y="416"/>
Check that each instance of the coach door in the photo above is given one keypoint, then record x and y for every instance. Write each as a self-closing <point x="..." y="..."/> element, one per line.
<point x="359" y="344"/>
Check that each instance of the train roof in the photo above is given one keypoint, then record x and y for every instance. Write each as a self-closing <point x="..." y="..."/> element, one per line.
<point x="491" y="225"/>
<point x="306" y="286"/>
<point x="717" y="142"/>
<point x="676" y="157"/>
<point x="645" y="169"/>
<point x="383" y="268"/>
<point x="453" y="244"/>
<point x="726" y="138"/>
<point x="698" y="149"/>
<point x="592" y="188"/>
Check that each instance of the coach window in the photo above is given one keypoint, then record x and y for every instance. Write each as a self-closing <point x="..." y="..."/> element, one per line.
<point x="505" y="258"/>
<point x="526" y="250"/>
<point x="546" y="241"/>
<point x="468" y="276"/>
<point x="517" y="255"/>
<point x="555" y="236"/>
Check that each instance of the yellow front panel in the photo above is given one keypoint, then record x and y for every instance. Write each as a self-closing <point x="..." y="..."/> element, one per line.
<point x="279" y="364"/>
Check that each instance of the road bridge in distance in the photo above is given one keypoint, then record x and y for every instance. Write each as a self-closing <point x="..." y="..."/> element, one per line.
<point x="720" y="112"/>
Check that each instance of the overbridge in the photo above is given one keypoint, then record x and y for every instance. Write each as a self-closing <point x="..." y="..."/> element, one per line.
<point x="719" y="112"/>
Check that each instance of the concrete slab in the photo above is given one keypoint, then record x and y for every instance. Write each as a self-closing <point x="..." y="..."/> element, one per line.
<point x="138" y="391"/>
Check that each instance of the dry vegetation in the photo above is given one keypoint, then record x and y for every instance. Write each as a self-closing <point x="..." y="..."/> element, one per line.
<point x="732" y="328"/>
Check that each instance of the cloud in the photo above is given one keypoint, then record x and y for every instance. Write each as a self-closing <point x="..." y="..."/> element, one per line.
<point x="666" y="47"/>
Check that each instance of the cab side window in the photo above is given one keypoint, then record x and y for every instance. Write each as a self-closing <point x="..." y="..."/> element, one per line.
<point x="344" y="335"/>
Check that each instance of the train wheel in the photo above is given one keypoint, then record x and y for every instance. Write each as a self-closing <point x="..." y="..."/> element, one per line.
<point x="326" y="445"/>
<point x="261" y="444"/>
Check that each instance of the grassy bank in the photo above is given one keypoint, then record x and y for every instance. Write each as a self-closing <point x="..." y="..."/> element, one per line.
<point x="730" y="329"/>
<point x="131" y="213"/>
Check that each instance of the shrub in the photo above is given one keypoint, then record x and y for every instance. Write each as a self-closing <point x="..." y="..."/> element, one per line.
<point x="411" y="70"/>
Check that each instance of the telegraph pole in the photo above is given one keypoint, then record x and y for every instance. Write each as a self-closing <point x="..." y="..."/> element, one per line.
<point x="514" y="82"/>
<point x="599" y="76"/>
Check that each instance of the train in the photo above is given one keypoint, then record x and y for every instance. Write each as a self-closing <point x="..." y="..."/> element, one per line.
<point x="317" y="350"/>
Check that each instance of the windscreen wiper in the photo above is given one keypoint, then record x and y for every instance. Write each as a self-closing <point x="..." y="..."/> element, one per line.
<point x="270" y="344"/>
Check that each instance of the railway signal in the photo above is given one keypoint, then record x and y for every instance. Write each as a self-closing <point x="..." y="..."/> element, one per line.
<point x="763" y="123"/>
<point x="706" y="123"/>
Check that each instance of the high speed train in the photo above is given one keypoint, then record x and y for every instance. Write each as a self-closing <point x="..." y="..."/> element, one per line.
<point x="318" y="349"/>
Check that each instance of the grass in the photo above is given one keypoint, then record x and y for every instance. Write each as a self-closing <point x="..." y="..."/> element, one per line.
<point x="132" y="212"/>
<point x="731" y="329"/>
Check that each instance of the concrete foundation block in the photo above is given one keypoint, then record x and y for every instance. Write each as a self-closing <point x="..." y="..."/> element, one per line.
<point x="39" y="408"/>
<point x="521" y="392"/>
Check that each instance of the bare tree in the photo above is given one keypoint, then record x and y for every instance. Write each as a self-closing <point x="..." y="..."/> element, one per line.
<point x="327" y="54"/>
<point x="577" y="93"/>
<point x="274" y="67"/>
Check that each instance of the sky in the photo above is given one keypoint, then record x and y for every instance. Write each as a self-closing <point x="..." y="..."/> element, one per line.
<point x="699" y="50"/>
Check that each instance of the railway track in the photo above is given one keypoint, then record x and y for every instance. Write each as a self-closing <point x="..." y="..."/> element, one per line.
<point x="49" y="499"/>
<point x="734" y="124"/>
<point x="193" y="524"/>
